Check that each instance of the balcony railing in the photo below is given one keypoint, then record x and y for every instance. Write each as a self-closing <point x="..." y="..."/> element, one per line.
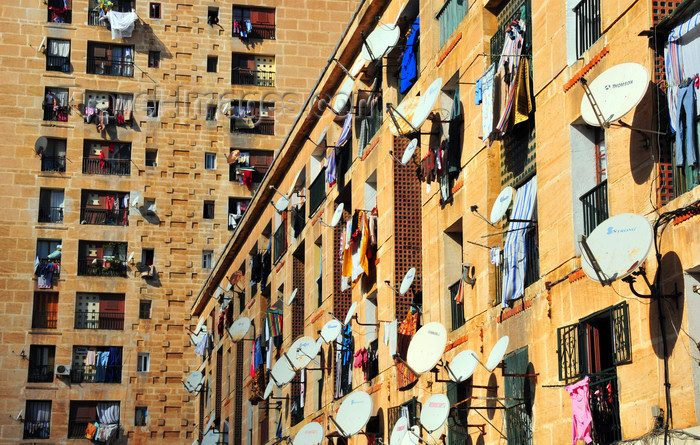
<point x="99" y="320"/>
<point x="532" y="253"/>
<point x="260" y="31"/>
<point x="587" y="25"/>
<point x="76" y="430"/>
<point x="94" y="166"/>
<point x="58" y="63"/>
<point x="59" y="114"/>
<point x="44" y="319"/>
<point x="53" y="164"/>
<point x="94" y="19"/>
<point x="104" y="217"/>
<point x="595" y="207"/>
<point x="605" y="407"/>
<point x="95" y="374"/>
<point x="242" y="76"/>
<point x="107" y="67"/>
<point x="101" y="268"/>
<point x="263" y="125"/>
<point x="51" y="214"/>
<point x="37" y="430"/>
<point x="317" y="191"/>
<point x="41" y="374"/>
<point x="280" y="241"/>
<point x="56" y="15"/>
<point x="457" y="309"/>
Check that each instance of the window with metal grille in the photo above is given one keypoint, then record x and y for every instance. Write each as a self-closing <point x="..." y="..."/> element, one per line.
<point x="518" y="392"/>
<point x="412" y="408"/>
<point x="37" y="419"/>
<point x="587" y="14"/>
<point x="298" y="271"/>
<point x="41" y="363"/>
<point x="449" y="17"/>
<point x="238" y="398"/>
<point x="45" y="310"/>
<point x="457" y="429"/>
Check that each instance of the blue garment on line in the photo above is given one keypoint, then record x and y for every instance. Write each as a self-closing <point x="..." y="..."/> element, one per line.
<point x="685" y="131"/>
<point x="478" y="93"/>
<point x="258" y="353"/>
<point x="101" y="366"/>
<point x="114" y="366"/>
<point x="409" y="60"/>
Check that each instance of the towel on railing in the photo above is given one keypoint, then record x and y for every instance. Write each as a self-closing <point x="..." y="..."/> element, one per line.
<point x="122" y="23"/>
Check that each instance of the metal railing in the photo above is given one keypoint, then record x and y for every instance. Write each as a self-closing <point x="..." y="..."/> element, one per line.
<point x="262" y="125"/>
<point x="101" y="268"/>
<point x="44" y="319"/>
<point x="59" y="16"/>
<point x="51" y="214"/>
<point x="95" y="374"/>
<point x="94" y="19"/>
<point x="511" y="11"/>
<point x="40" y="373"/>
<point x="244" y="76"/>
<point x="53" y="163"/>
<point x="263" y="31"/>
<point x="37" y="430"/>
<point x="99" y="320"/>
<point x="457" y="309"/>
<point x="587" y="14"/>
<point x="317" y="191"/>
<point x="498" y="288"/>
<point x="108" y="67"/>
<point x="107" y="217"/>
<point x="595" y="207"/>
<point x="59" y="114"/>
<point x="449" y="16"/>
<point x="58" y="63"/>
<point x="76" y="430"/>
<point x="280" y="241"/>
<point x="605" y="407"/>
<point x="532" y="254"/>
<point x="95" y="166"/>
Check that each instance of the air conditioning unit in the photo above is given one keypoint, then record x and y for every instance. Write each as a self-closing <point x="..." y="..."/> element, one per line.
<point x="62" y="369"/>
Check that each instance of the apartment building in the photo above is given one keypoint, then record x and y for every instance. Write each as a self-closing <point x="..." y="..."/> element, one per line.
<point x="136" y="133"/>
<point x="348" y="211"/>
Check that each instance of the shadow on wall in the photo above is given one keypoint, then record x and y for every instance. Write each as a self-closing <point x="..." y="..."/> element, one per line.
<point x="641" y="157"/>
<point x="671" y="282"/>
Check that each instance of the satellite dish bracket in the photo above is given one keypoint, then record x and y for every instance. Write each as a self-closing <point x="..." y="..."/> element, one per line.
<point x="604" y="280"/>
<point x="400" y="359"/>
<point x="596" y="109"/>
<point x="393" y="110"/>
<point x="475" y="209"/>
<point x="366" y="45"/>
<point x="343" y="433"/>
<point x="344" y="69"/>
<point x="354" y="317"/>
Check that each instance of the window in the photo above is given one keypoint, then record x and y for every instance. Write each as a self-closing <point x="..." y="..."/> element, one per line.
<point x="318" y="270"/>
<point x="585" y="29"/>
<point x="209" y="161"/>
<point x="154" y="10"/>
<point x="213" y="16"/>
<point x="457" y="432"/>
<point x="56" y="108"/>
<point x="110" y="60"/>
<point x="152" y="108"/>
<point x="140" y="416"/>
<point x="207" y="259"/>
<point x="449" y="17"/>
<point x="453" y="246"/>
<point x="211" y="112"/>
<point x="154" y="59"/>
<point x="236" y="209"/>
<point x="102" y="259"/>
<point x="588" y="179"/>
<point x="147" y="255"/>
<point x="212" y="61"/>
<point x="142" y="362"/>
<point x="41" y="363"/>
<point x="45" y="310"/>
<point x="262" y="23"/>
<point x="59" y="11"/>
<point x="58" y="55"/>
<point x="37" y="419"/>
<point x="406" y="71"/>
<point x="151" y="156"/>
<point x="248" y="69"/>
<point x="47" y="262"/>
<point x="99" y="311"/>
<point x="208" y="212"/>
<point x="255" y="120"/>
<point x="519" y="393"/>
<point x="83" y="412"/>
<point x="50" y="206"/>
<point x="145" y="309"/>
<point x="53" y="158"/>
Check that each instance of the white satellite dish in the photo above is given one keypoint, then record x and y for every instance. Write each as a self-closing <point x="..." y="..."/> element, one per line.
<point x="228" y="286"/>
<point x="350" y="313"/>
<point x="380" y="41"/>
<point x="426" y="347"/>
<point x="408" y="153"/>
<point x="136" y="199"/>
<point x="282" y="372"/>
<point x="268" y="389"/>
<point x="198" y="336"/>
<point x="40" y="144"/>
<point x="131" y="257"/>
<point x="497" y="353"/>
<point x="331" y="331"/>
<point x="404" y="116"/>
<point x="239" y="329"/>
<point x="426" y="103"/>
<point x="399" y="431"/>
<point x="412" y="437"/>
<point x="309" y="434"/>
<point x="343" y="94"/>
<point x="461" y="368"/>
<point x="620" y="245"/>
<point x="434" y="412"/>
<point x="354" y="413"/>
<point x="200" y="323"/>
<point x="322" y="136"/>
<point x="291" y="297"/>
<point x="211" y="438"/>
<point x="617" y="91"/>
<point x="500" y="207"/>
<point x="407" y="281"/>
<point x="209" y="425"/>
<point x="194" y="383"/>
<point x="217" y="294"/>
<point x="337" y="214"/>
<point x="302" y="351"/>
<point x="282" y="204"/>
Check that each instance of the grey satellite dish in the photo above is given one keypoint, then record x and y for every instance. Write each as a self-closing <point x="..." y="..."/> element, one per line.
<point x="407" y="281"/>
<point x="399" y="431"/>
<point x="228" y="286"/>
<point x="282" y="372"/>
<point x="462" y="367"/>
<point x="131" y="257"/>
<point x="200" y="323"/>
<point x="351" y="312"/>
<point x="426" y="347"/>
<point x="302" y="351"/>
<point x="434" y="412"/>
<point x="354" y="413"/>
<point x="211" y="438"/>
<point x="198" y="336"/>
<point x="408" y="153"/>
<point x="268" y="389"/>
<point x="500" y="207"/>
<point x="239" y="329"/>
<point x="380" y="41"/>
<point x="291" y="297"/>
<point x="341" y="98"/>
<point x="331" y="331"/>
<point x="209" y="425"/>
<point x="136" y="199"/>
<point x="497" y="353"/>
<point x="194" y="383"/>
<point x="282" y="204"/>
<point x="40" y="145"/>
<point x="617" y="91"/>
<point x="309" y="434"/>
<point x="337" y="214"/>
<point x="426" y="103"/>
<point x="322" y="136"/>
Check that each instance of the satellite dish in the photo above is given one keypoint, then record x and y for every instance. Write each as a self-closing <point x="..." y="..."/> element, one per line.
<point x="620" y="245"/>
<point x="331" y="331"/>
<point x="302" y="351"/>
<point x="407" y="281"/>
<point x="198" y="336"/>
<point x="461" y="368"/>
<point x="136" y="199"/>
<point x="350" y="313"/>
<point x="616" y="91"/>
<point x="343" y="94"/>
<point x="209" y="425"/>
<point x="426" y="103"/>
<point x="239" y="329"/>
<point x="426" y="347"/>
<point x="131" y="257"/>
<point x="40" y="145"/>
<point x="211" y="438"/>
<point x="434" y="412"/>
<point x="309" y="434"/>
<point x="291" y="297"/>
<point x="322" y="136"/>
<point x="399" y="431"/>
<point x="497" y="353"/>
<point x="282" y="204"/>
<point x="282" y="372"/>
<point x="502" y="204"/>
<point x="194" y="383"/>
<point x="268" y="389"/>
<point x="354" y="413"/>
<point x="412" y="437"/>
<point x="405" y="111"/>
<point x="408" y="153"/>
<point x="379" y="42"/>
<point x="200" y="324"/>
<point x="337" y="214"/>
<point x="228" y="286"/>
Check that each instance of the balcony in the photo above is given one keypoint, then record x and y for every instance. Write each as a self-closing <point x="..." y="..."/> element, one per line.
<point x="595" y="207"/>
<point x="101" y="268"/>
<point x="37" y="430"/>
<point x="263" y="31"/>
<point x="44" y="319"/>
<point x="280" y="241"/>
<point x="605" y="407"/>
<point x="96" y="166"/>
<point x="99" y="320"/>
<point x="40" y="373"/>
<point x="317" y="191"/>
<point x="95" y="374"/>
<point x="53" y="164"/>
<point x="263" y="125"/>
<point x="104" y="217"/>
<point x="59" y="15"/>
<point x="50" y="214"/>
<point x="58" y="63"/>
<point x="110" y="67"/>
<point x="242" y="76"/>
<point x="76" y="430"/>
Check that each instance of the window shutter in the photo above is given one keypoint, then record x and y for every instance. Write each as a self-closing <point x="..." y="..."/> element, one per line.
<point x="568" y="351"/>
<point x="619" y="318"/>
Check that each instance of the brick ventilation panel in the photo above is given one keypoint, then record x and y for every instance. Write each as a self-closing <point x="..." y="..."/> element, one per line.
<point x="297" y="313"/>
<point x="341" y="300"/>
<point x="238" y="417"/>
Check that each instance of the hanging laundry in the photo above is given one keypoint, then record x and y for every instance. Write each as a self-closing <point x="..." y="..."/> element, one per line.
<point x="582" y="418"/>
<point x="202" y="347"/>
<point x="405" y="333"/>
<point x="331" y="169"/>
<point x="495" y="256"/>
<point x="121" y="23"/>
<point x="409" y="59"/>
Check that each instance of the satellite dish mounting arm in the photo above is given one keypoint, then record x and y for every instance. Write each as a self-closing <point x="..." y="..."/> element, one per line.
<point x="393" y="110"/>
<point x="604" y="280"/>
<point x="596" y="109"/>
